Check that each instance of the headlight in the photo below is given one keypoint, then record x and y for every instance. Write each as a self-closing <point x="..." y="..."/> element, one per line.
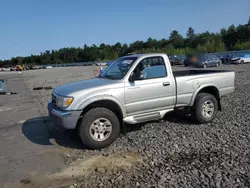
<point x="63" y="102"/>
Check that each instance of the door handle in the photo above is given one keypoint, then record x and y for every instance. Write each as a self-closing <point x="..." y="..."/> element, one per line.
<point x="166" y="83"/>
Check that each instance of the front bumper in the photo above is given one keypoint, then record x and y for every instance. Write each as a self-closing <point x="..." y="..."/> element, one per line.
<point x="66" y="119"/>
<point x="235" y="62"/>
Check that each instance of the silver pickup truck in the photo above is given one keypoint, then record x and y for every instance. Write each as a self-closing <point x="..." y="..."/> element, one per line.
<point x="135" y="89"/>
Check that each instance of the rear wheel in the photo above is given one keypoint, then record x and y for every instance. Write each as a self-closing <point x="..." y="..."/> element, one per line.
<point x="205" y="108"/>
<point x="242" y="61"/>
<point x="98" y="128"/>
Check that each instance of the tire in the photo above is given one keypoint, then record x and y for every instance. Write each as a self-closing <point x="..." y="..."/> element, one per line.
<point x="86" y="123"/>
<point x="204" y="66"/>
<point x="197" y="111"/>
<point x="242" y="61"/>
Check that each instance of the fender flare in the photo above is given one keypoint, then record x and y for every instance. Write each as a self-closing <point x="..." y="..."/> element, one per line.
<point x="199" y="89"/>
<point x="97" y="98"/>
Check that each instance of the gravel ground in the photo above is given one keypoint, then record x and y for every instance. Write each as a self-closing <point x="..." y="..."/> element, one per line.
<point x="175" y="152"/>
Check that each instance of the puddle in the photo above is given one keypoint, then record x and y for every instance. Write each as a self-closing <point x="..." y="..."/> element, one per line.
<point x="81" y="169"/>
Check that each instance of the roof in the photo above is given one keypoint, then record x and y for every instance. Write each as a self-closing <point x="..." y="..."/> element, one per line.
<point x="146" y="54"/>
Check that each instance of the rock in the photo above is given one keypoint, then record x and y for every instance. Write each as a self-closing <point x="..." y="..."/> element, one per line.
<point x="237" y="180"/>
<point x="101" y="185"/>
<point x="168" y="177"/>
<point x="218" y="179"/>
<point x="162" y="180"/>
<point x="100" y="170"/>
<point x="137" y="184"/>
<point x="160" y="186"/>
<point x="119" y="178"/>
<point x="236" y="124"/>
<point x="112" y="181"/>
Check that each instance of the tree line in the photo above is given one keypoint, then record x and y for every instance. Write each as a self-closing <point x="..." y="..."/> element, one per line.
<point x="231" y="38"/>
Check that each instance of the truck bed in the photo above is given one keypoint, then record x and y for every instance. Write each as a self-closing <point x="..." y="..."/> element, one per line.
<point x="193" y="72"/>
<point x="188" y="82"/>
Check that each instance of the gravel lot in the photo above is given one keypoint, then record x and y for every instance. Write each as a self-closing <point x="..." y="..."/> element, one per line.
<point x="173" y="152"/>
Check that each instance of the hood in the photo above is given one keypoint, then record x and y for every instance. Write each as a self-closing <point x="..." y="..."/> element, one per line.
<point x="234" y="58"/>
<point x="73" y="87"/>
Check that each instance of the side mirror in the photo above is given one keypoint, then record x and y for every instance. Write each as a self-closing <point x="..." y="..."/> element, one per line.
<point x="132" y="77"/>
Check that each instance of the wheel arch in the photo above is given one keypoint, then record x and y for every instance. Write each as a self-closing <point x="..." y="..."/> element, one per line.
<point x="105" y="103"/>
<point x="211" y="89"/>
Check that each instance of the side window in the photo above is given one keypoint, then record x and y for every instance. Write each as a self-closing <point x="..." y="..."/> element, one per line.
<point x="149" y="68"/>
<point x="209" y="58"/>
<point x="215" y="58"/>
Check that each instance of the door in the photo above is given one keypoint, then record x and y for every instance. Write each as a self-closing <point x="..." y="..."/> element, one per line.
<point x="213" y="61"/>
<point x="152" y="90"/>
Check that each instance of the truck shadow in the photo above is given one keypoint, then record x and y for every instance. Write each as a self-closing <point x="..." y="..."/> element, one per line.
<point x="42" y="131"/>
<point x="179" y="117"/>
<point x="36" y="131"/>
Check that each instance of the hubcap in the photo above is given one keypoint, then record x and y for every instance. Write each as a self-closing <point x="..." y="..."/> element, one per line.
<point x="208" y="109"/>
<point x="100" y="129"/>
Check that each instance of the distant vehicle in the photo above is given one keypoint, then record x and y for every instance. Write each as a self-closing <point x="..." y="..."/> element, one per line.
<point x="108" y="63"/>
<point x="100" y="64"/>
<point x="181" y="57"/>
<point x="136" y="89"/>
<point x="48" y="67"/>
<point x="175" y="60"/>
<point x="37" y="67"/>
<point x="240" y="59"/>
<point x="5" y="69"/>
<point x="13" y="69"/>
<point x="19" y="68"/>
<point x="225" y="58"/>
<point x="202" y="61"/>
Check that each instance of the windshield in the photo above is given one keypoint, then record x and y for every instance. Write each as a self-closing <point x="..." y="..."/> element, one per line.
<point x="118" y="69"/>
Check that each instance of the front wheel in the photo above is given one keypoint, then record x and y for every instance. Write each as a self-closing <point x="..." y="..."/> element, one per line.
<point x="98" y="128"/>
<point x="205" y="108"/>
<point x="241" y="62"/>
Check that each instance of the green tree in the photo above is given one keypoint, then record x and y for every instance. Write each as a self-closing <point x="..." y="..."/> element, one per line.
<point x="176" y="39"/>
<point x="190" y="33"/>
<point x="231" y="38"/>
